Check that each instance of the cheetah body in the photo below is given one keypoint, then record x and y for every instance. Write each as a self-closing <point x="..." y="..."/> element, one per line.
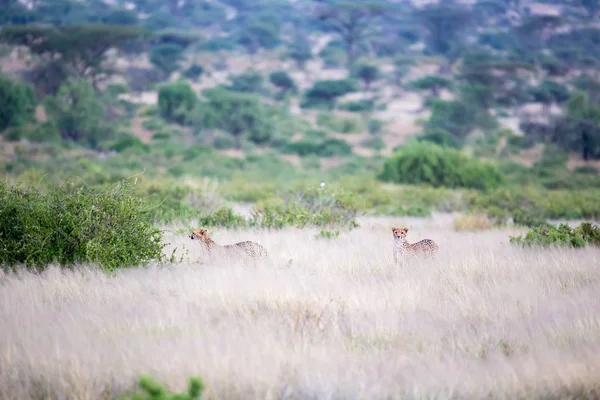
<point x="403" y="248"/>
<point x="241" y="249"/>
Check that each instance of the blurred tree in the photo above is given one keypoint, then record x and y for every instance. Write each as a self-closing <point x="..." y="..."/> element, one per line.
<point x="300" y="51"/>
<point x="433" y="83"/>
<point x="78" y="51"/>
<point x="240" y="114"/>
<point x="324" y="93"/>
<point x="283" y="81"/>
<point x="366" y="72"/>
<point x="549" y="93"/>
<point x="166" y="58"/>
<point x="17" y="103"/>
<point x="446" y="24"/>
<point x="77" y="113"/>
<point x="353" y="21"/>
<point x="175" y="101"/>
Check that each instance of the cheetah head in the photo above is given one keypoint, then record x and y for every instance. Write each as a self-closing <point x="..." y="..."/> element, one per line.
<point x="399" y="233"/>
<point x="199" y="234"/>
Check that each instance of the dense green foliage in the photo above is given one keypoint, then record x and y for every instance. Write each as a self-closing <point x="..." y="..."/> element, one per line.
<point x="427" y="163"/>
<point x="563" y="235"/>
<point x="176" y="100"/>
<point x="17" y="101"/>
<point x="69" y="225"/>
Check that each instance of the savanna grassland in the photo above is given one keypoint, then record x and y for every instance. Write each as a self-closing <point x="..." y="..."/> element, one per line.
<point x="311" y="127"/>
<point x="483" y="319"/>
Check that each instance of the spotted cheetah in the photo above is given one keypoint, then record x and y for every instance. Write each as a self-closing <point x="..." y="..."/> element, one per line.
<point x="402" y="248"/>
<point x="247" y="248"/>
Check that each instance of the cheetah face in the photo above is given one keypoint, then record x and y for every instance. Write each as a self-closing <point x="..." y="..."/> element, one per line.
<point x="198" y="234"/>
<point x="399" y="233"/>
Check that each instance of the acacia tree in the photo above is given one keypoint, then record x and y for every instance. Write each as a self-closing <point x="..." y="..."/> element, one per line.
<point x="445" y="25"/>
<point x="367" y="73"/>
<point x="353" y="21"/>
<point x="79" y="50"/>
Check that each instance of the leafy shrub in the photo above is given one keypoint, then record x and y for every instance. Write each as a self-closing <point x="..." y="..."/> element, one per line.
<point x="367" y="73"/>
<point x="583" y="235"/>
<point x="162" y="135"/>
<point x="72" y="224"/>
<point x="223" y="217"/>
<point x="539" y="204"/>
<point x="451" y="116"/>
<point x="283" y="81"/>
<point x="440" y="137"/>
<point x="194" y="72"/>
<point x="223" y="142"/>
<point x="375" y="143"/>
<point x="472" y="222"/>
<point x="248" y="82"/>
<point x="78" y="114"/>
<point x="140" y="79"/>
<point x="175" y="100"/>
<point x="243" y="115"/>
<point x="317" y="207"/>
<point x="166" y="57"/>
<point x="35" y="132"/>
<point x="153" y="124"/>
<point x="152" y="390"/>
<point x="334" y="147"/>
<point x="338" y="124"/>
<point x="322" y="148"/>
<point x="195" y="151"/>
<point x="374" y="126"/>
<point x="17" y="103"/>
<point x="129" y="142"/>
<point x="324" y="93"/>
<point x="358" y="106"/>
<point x="430" y="164"/>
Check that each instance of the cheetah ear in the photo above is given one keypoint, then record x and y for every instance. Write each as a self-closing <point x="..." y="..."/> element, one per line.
<point x="404" y="230"/>
<point x="394" y="229"/>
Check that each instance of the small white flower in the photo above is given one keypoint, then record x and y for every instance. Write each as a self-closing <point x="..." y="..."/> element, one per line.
<point x="322" y="184"/>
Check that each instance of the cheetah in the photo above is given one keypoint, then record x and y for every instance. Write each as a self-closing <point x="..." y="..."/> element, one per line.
<point x="425" y="247"/>
<point x="245" y="249"/>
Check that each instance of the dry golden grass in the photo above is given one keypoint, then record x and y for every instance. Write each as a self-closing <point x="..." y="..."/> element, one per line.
<point x="472" y="222"/>
<point x="342" y="322"/>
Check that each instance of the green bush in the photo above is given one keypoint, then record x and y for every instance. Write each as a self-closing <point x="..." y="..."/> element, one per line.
<point x="322" y="148"/>
<point x="129" y="142"/>
<point x="583" y="235"/>
<point x="175" y="100"/>
<point x="374" y="126"/>
<point x="283" y="81"/>
<point x="152" y="390"/>
<point x="194" y="72"/>
<point x="69" y="224"/>
<point x="338" y="124"/>
<point x="324" y="93"/>
<point x="312" y="207"/>
<point x="223" y="217"/>
<point x="358" y="106"/>
<point x="428" y="163"/>
<point x="154" y="124"/>
<point x="223" y="142"/>
<point x="17" y="103"/>
<point x="78" y="114"/>
<point x="539" y="204"/>
<point x="440" y="137"/>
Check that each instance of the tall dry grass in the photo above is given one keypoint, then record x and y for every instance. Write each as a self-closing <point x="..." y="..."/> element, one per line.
<point x="342" y="322"/>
